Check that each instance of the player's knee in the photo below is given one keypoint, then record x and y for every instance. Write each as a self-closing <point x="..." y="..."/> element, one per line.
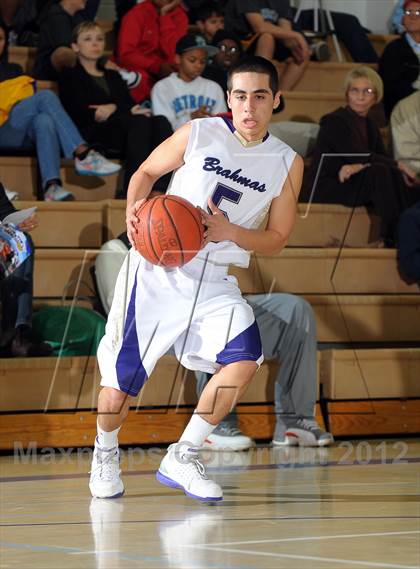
<point x="45" y="96"/>
<point x="112" y="401"/>
<point x="43" y="122"/>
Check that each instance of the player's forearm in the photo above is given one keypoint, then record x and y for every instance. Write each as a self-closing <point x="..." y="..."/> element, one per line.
<point x="140" y="186"/>
<point x="265" y="241"/>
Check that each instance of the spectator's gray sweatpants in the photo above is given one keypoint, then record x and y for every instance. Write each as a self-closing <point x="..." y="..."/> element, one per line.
<point x="288" y="334"/>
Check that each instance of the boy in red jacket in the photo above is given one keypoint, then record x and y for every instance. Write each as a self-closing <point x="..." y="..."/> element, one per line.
<point x="147" y="39"/>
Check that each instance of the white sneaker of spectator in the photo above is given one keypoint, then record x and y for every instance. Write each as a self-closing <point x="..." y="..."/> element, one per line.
<point x="227" y="437"/>
<point x="94" y="164"/>
<point x="131" y="78"/>
<point x="56" y="193"/>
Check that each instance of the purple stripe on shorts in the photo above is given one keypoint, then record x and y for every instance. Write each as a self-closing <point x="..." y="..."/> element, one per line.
<point x="131" y="374"/>
<point x="245" y="346"/>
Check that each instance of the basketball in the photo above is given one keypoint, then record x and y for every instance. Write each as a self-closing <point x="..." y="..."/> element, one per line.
<point x="169" y="231"/>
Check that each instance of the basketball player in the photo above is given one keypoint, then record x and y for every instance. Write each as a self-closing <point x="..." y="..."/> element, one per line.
<point x="239" y="172"/>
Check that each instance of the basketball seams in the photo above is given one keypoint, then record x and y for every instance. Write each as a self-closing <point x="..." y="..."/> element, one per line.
<point x="149" y="229"/>
<point x="171" y="219"/>
<point x="163" y="225"/>
<point x="199" y="226"/>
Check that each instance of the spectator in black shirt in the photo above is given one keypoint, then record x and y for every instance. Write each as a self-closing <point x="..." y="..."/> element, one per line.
<point x="269" y="25"/>
<point x="57" y="23"/>
<point x="210" y="19"/>
<point x="399" y="65"/>
<point x="98" y="101"/>
<point x="230" y="51"/>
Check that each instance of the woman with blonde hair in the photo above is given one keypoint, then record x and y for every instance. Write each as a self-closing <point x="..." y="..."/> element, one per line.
<point x="359" y="172"/>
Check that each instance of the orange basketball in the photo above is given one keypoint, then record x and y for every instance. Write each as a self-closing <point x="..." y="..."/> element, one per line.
<point x="169" y="231"/>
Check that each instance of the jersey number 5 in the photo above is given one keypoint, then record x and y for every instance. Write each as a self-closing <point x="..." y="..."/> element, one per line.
<point x="224" y="193"/>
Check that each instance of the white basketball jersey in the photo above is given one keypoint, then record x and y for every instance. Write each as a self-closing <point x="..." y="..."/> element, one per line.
<point x="241" y="180"/>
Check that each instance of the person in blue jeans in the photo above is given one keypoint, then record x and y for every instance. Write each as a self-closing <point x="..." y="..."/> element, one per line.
<point x="288" y="334"/>
<point x="40" y="121"/>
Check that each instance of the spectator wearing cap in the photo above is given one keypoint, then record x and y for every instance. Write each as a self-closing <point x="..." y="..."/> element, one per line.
<point x="229" y="52"/>
<point x="147" y="39"/>
<point x="186" y="95"/>
<point x="399" y="65"/>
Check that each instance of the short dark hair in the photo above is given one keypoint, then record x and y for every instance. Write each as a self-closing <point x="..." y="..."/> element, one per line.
<point x="255" y="64"/>
<point x="207" y="9"/>
<point x="84" y="26"/>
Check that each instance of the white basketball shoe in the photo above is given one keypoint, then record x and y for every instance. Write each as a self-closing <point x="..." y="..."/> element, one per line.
<point x="180" y="468"/>
<point x="105" y="480"/>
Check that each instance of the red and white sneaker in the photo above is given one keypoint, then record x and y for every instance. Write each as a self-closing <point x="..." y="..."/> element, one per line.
<point x="225" y="437"/>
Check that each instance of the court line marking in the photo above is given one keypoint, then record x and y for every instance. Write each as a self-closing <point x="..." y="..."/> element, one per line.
<point x="265" y="519"/>
<point x="220" y="469"/>
<point x="309" y="558"/>
<point x="317" y="537"/>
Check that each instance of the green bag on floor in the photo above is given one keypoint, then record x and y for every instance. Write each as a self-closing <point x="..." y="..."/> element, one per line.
<point x="81" y="329"/>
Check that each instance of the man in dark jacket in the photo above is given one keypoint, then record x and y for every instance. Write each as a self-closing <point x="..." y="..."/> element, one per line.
<point x="399" y="65"/>
<point x="16" y="298"/>
<point x="409" y="244"/>
<point x="56" y="25"/>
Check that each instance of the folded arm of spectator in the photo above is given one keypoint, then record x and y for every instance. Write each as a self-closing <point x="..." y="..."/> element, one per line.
<point x="75" y="106"/>
<point x="130" y="54"/>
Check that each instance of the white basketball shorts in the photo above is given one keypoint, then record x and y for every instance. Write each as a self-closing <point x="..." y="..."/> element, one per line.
<point x="206" y="319"/>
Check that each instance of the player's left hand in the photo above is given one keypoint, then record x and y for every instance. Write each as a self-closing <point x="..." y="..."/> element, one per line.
<point x="131" y="220"/>
<point x="218" y="227"/>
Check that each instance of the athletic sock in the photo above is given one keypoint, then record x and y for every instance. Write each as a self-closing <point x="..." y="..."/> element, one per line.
<point x="196" y="432"/>
<point x="107" y="439"/>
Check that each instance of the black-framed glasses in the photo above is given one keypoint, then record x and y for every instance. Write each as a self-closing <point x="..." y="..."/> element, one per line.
<point x="368" y="91"/>
<point x="225" y="49"/>
<point x="412" y="12"/>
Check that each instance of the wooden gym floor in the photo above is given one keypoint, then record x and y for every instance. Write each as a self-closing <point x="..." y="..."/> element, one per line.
<point x="354" y="505"/>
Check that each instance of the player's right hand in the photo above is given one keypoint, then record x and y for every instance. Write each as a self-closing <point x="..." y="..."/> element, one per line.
<point x="132" y="220"/>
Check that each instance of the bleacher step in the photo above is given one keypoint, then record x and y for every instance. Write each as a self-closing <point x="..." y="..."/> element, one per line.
<point x="63" y="272"/>
<point x="20" y="174"/>
<point x="325" y="76"/>
<point x="324" y="271"/>
<point x="72" y="383"/>
<point x="67" y="224"/>
<point x="309" y="106"/>
<point x="316" y="224"/>
<point x="371" y="374"/>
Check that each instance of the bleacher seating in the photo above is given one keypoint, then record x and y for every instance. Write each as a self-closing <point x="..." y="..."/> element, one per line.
<point x="356" y="292"/>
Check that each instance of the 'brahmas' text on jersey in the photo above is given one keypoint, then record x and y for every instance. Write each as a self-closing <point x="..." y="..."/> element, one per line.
<point x="242" y="181"/>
